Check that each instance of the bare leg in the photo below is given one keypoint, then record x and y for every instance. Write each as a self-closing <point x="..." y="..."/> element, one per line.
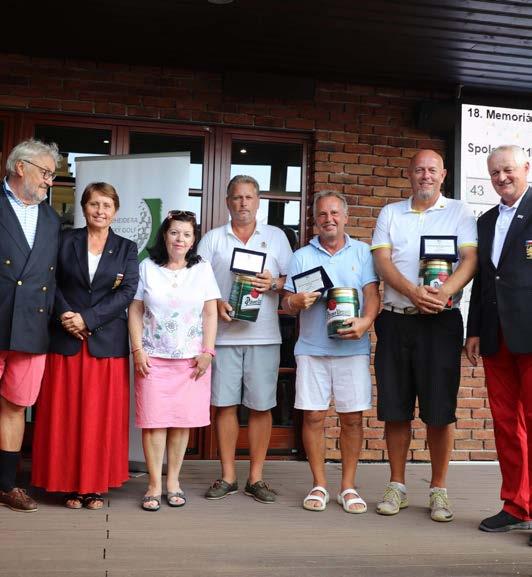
<point x="259" y="431"/>
<point x="314" y="443"/>
<point x="11" y="425"/>
<point x="440" y="442"/>
<point x="154" y="443"/>
<point x="351" y="436"/>
<point x="398" y="435"/>
<point x="177" y="440"/>
<point x="227" y="432"/>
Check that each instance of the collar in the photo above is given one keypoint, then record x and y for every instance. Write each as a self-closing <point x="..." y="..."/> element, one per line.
<point x="440" y="204"/>
<point x="315" y="242"/>
<point x="10" y="194"/>
<point x="505" y="208"/>
<point x="258" y="229"/>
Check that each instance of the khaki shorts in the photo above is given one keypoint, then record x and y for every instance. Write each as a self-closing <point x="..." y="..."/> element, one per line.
<point x="245" y="375"/>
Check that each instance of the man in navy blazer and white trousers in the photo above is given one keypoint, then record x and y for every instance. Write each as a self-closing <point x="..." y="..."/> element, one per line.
<point x="29" y="238"/>
<point x="500" y="330"/>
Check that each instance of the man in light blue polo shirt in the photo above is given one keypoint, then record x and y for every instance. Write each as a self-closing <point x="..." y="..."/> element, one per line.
<point x="327" y="366"/>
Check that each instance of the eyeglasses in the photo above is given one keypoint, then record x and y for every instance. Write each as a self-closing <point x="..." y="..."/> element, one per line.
<point x="177" y="213"/>
<point x="46" y="174"/>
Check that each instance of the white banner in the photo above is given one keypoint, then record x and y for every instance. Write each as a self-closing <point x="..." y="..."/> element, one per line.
<point x="149" y="185"/>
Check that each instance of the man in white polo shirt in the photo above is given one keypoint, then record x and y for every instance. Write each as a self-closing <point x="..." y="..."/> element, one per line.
<point x="333" y="366"/>
<point x="246" y="366"/>
<point x="420" y="340"/>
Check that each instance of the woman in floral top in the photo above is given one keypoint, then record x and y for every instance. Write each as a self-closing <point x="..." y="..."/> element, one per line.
<point x="172" y="324"/>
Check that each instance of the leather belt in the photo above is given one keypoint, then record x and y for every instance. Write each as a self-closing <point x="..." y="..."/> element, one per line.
<point x="401" y="310"/>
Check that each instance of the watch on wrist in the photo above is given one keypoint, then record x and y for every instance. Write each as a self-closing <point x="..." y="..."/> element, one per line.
<point x="275" y="284"/>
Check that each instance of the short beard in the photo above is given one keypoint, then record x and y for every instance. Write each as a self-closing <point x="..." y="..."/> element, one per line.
<point x="31" y="196"/>
<point x="425" y="194"/>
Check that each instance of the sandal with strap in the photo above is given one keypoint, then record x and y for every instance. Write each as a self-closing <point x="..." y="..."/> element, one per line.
<point x="172" y="496"/>
<point x="322" y="500"/>
<point x="93" y="501"/>
<point x="147" y="498"/>
<point x="74" y="501"/>
<point x="353" y="501"/>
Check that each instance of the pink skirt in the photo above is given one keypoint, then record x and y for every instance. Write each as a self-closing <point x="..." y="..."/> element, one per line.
<point x="169" y="397"/>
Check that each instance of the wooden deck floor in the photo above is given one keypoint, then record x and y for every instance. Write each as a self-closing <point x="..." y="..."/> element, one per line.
<point x="238" y="537"/>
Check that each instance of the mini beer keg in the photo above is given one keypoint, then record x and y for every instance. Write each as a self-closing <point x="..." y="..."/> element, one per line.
<point x="433" y="273"/>
<point x="245" y="299"/>
<point x="342" y="303"/>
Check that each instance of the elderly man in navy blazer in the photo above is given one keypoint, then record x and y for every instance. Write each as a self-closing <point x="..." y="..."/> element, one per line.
<point x="500" y="330"/>
<point x="29" y="238"/>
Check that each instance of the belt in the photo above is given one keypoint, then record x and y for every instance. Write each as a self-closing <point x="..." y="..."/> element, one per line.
<point x="401" y="310"/>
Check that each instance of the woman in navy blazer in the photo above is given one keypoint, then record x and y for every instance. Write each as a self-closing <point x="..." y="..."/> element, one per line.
<point x="82" y="425"/>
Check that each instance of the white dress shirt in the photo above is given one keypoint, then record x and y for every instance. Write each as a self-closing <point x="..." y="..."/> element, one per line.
<point x="506" y="214"/>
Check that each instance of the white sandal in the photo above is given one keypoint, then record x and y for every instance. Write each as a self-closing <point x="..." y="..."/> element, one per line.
<point x="322" y="500"/>
<point x="353" y="501"/>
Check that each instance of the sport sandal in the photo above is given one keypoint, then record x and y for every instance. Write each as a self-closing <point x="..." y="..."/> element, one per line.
<point x="341" y="500"/>
<point x="321" y="500"/>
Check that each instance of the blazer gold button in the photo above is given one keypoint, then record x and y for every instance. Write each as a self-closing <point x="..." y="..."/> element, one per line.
<point x="44" y="288"/>
<point x="19" y="282"/>
<point x="8" y="261"/>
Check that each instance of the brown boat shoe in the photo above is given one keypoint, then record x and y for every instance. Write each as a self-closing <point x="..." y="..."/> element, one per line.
<point x="18" y="500"/>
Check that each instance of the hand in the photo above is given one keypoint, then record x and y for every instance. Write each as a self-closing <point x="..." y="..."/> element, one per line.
<point x="74" y="324"/>
<point x="354" y="329"/>
<point x="302" y="301"/>
<point x="425" y="298"/>
<point x="201" y="364"/>
<point x="223" y="310"/>
<point x="141" y="362"/>
<point x="472" y="349"/>
<point x="263" y="281"/>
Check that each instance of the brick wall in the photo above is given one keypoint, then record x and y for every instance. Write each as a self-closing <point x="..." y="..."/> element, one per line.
<point x="363" y="138"/>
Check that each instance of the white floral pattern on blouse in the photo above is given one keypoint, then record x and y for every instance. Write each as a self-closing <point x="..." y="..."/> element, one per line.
<point x="173" y="307"/>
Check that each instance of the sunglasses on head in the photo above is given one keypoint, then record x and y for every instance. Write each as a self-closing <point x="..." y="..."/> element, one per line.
<point x="177" y="213"/>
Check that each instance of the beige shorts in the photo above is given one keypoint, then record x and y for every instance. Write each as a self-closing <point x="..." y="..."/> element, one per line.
<point x="347" y="379"/>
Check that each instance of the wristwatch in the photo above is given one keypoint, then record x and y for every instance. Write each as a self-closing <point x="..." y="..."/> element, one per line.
<point x="274" y="286"/>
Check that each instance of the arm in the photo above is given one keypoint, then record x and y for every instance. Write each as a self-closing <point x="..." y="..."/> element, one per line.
<point x="140" y="358"/>
<point x="210" y="324"/>
<point x="418" y="295"/>
<point x="116" y="300"/>
<point x="292" y="303"/>
<point x="358" y="326"/>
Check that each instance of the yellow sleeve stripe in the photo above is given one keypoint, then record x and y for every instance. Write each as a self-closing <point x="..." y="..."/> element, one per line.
<point x="376" y="246"/>
<point x="467" y="244"/>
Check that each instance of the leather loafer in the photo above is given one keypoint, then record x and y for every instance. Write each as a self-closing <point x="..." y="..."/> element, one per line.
<point x="18" y="500"/>
<point x="502" y="522"/>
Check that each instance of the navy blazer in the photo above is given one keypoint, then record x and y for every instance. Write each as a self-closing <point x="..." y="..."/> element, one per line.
<point x="502" y="297"/>
<point x="102" y="303"/>
<point x="27" y="279"/>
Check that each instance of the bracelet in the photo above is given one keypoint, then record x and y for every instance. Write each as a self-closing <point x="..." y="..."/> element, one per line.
<point x="135" y="350"/>
<point x="211" y="352"/>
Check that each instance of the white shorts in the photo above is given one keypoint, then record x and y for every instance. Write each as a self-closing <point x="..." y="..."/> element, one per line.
<point x="347" y="378"/>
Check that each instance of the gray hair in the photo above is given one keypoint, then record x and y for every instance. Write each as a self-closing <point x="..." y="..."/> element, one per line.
<point x="324" y="194"/>
<point x="29" y="149"/>
<point x="518" y="153"/>
<point x="242" y="179"/>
